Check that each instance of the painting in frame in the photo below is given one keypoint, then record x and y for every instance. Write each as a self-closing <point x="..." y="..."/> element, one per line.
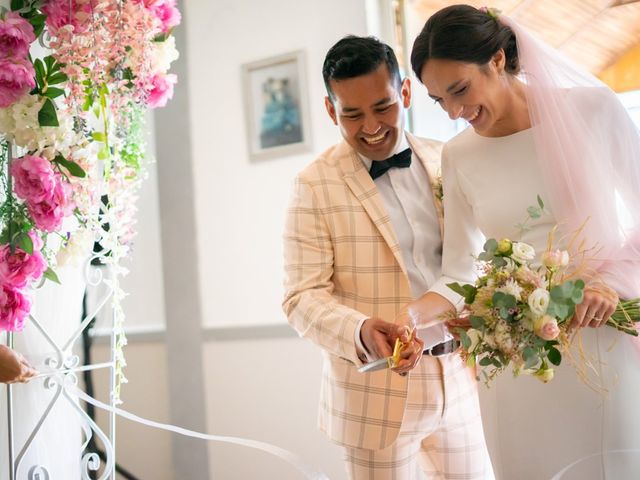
<point x="277" y="106"/>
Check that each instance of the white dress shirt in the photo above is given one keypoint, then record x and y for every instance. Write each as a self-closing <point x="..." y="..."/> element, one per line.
<point x="407" y="198"/>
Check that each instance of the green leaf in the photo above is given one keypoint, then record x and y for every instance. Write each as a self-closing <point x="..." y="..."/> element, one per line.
<point x="53" y="92"/>
<point x="534" y="212"/>
<point x="504" y="302"/>
<point x="540" y="202"/>
<point x="51" y="275"/>
<point x="4" y="237"/>
<point x="49" y="61"/>
<point x="25" y="243"/>
<point x="485" y="361"/>
<point x="103" y="154"/>
<point x="99" y="136"/>
<point x="491" y="245"/>
<point x="40" y="74"/>
<point x="499" y="261"/>
<point x="57" y="78"/>
<point x="464" y="338"/>
<point x="554" y="356"/>
<point x="47" y="116"/>
<point x="17" y="4"/>
<point x="73" y="168"/>
<point x="467" y="291"/>
<point x="529" y="353"/>
<point x="477" y="322"/>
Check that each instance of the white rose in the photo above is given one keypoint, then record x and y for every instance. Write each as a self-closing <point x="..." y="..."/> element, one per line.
<point x="538" y="301"/>
<point x="523" y="252"/>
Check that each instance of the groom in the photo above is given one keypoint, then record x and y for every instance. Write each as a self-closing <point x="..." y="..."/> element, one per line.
<point x="362" y="239"/>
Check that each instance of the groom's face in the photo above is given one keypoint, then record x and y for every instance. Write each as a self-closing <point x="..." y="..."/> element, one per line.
<point x="369" y="110"/>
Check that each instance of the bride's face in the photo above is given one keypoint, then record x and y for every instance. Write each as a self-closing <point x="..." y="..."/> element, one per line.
<point x="466" y="90"/>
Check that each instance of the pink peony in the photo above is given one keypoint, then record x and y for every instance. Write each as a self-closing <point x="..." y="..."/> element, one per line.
<point x="34" y="178"/>
<point x="165" y="11"/>
<point x="14" y="307"/>
<point x="162" y="90"/>
<point x="19" y="268"/>
<point x="16" y="35"/>
<point x="61" y="13"/>
<point x="16" y="79"/>
<point x="49" y="213"/>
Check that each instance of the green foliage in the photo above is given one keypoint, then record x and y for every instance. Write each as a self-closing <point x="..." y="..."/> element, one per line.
<point x="554" y="356"/>
<point x="72" y="167"/>
<point x="504" y="302"/>
<point x="47" y="116"/>
<point x="467" y="291"/>
<point x="564" y="298"/>
<point x="51" y="275"/>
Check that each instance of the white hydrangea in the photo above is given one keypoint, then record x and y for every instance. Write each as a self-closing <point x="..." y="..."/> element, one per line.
<point x="162" y="54"/>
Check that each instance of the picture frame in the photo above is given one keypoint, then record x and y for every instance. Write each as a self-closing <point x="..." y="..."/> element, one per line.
<point x="277" y="106"/>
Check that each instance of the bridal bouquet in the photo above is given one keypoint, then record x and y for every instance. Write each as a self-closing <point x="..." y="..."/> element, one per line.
<point x="520" y="314"/>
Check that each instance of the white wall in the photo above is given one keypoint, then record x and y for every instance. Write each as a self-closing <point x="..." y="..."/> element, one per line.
<point x="241" y="205"/>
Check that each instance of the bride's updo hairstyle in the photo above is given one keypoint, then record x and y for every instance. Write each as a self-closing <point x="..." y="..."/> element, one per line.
<point x="466" y="34"/>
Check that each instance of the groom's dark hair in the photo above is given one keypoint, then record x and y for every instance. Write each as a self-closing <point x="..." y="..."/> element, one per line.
<point x="355" y="56"/>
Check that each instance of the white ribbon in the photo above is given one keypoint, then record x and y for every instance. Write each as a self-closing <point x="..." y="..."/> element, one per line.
<point x="559" y="475"/>
<point x="309" y="472"/>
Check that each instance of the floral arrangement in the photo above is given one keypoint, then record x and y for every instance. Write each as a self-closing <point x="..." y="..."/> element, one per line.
<point x="520" y="314"/>
<point x="76" y="77"/>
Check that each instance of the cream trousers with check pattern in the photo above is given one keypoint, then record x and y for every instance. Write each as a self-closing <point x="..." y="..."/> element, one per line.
<point x="441" y="430"/>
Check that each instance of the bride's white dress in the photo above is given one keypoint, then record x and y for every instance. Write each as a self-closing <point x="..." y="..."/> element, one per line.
<point x="535" y="429"/>
<point x="57" y="446"/>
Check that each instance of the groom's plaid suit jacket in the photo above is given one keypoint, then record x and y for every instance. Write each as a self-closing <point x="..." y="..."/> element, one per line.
<point x="343" y="263"/>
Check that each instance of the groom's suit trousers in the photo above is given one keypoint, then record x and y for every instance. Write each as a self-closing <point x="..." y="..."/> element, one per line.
<point x="441" y="432"/>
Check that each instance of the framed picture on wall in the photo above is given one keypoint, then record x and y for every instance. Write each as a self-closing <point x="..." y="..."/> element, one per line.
<point x="277" y="106"/>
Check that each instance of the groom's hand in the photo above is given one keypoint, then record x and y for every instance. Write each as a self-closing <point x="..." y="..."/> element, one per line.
<point x="379" y="338"/>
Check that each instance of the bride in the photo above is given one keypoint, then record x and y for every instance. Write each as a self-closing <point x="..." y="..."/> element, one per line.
<point x="541" y="126"/>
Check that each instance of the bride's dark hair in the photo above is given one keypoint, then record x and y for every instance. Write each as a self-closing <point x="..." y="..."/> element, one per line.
<point x="466" y="34"/>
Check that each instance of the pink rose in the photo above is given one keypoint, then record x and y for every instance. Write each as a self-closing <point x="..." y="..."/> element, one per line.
<point x="16" y="35"/>
<point x="16" y="79"/>
<point x="34" y="178"/>
<point x="49" y="213"/>
<point x="19" y="268"/>
<point x="555" y="258"/>
<point x="61" y="13"/>
<point x="162" y="90"/>
<point x="14" y="307"/>
<point x="546" y="327"/>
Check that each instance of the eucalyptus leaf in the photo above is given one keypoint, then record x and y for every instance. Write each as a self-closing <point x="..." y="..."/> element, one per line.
<point x="477" y="322"/>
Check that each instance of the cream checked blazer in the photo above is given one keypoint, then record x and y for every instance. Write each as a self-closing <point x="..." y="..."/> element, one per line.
<point x="343" y="263"/>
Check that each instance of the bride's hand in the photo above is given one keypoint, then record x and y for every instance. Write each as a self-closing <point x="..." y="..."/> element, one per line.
<point x="13" y="366"/>
<point x="600" y="301"/>
<point x="460" y="321"/>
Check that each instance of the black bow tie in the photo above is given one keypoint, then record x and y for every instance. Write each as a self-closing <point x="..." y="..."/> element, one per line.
<point x="399" y="160"/>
